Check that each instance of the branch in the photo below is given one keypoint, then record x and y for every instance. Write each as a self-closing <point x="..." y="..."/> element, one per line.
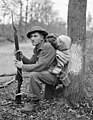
<point x="7" y="83"/>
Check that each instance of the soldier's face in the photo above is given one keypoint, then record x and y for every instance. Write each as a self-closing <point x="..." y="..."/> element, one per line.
<point x="36" y="38"/>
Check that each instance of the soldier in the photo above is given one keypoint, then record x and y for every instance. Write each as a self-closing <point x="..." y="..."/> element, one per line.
<point x="43" y="59"/>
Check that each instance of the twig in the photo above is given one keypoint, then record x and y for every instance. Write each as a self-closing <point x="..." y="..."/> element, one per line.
<point x="7" y="83"/>
<point x="5" y="75"/>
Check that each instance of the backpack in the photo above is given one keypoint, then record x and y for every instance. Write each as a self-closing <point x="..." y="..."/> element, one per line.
<point x="63" y="74"/>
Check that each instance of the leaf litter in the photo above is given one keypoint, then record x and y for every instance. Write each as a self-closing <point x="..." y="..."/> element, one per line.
<point x="55" y="109"/>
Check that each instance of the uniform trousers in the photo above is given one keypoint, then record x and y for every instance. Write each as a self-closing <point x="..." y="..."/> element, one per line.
<point x="36" y="80"/>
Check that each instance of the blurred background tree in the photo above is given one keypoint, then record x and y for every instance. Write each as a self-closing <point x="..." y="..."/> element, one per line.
<point x="27" y="14"/>
<point x="88" y="21"/>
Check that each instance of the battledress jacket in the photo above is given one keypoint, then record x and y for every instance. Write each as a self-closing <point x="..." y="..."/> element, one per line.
<point x="44" y="58"/>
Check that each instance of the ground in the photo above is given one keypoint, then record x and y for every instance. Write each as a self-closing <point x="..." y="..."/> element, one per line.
<point x="55" y="109"/>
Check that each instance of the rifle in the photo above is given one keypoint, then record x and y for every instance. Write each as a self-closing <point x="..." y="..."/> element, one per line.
<point x="19" y="71"/>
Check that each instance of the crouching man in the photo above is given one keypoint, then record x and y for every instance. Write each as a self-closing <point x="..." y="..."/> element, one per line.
<point x="43" y="59"/>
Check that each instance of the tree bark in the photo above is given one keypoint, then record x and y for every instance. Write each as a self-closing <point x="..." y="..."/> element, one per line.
<point x="77" y="31"/>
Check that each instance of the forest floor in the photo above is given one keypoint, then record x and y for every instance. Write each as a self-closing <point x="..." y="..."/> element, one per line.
<point x="55" y="109"/>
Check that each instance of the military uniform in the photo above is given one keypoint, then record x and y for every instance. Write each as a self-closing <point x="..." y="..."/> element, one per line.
<point x="44" y="58"/>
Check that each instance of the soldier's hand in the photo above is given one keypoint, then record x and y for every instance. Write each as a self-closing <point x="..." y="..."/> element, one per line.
<point x="18" y="52"/>
<point x="18" y="64"/>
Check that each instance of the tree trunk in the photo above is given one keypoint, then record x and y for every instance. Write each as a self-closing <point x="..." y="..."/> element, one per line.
<point x="26" y="16"/>
<point x="77" y="31"/>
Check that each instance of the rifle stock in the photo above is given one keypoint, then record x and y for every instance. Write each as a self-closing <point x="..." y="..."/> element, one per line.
<point x="19" y="71"/>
